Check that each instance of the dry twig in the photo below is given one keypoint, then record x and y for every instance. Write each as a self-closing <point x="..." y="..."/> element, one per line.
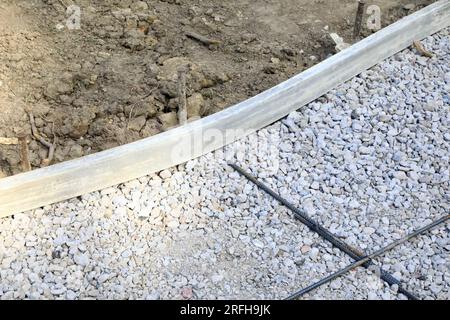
<point x="37" y="136"/>
<point x="419" y="47"/>
<point x="358" y="19"/>
<point x="201" y="38"/>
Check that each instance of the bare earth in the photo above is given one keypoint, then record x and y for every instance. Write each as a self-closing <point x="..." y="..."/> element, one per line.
<point x="114" y="80"/>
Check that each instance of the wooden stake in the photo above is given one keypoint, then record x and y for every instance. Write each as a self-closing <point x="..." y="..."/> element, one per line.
<point x="420" y="48"/>
<point x="182" y="103"/>
<point x="24" y="152"/>
<point x="359" y="18"/>
<point x="51" y="146"/>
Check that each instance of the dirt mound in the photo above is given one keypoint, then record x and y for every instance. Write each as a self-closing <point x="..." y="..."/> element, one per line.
<point x="114" y="80"/>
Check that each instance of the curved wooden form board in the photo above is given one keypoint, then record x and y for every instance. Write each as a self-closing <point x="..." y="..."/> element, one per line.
<point x="94" y="172"/>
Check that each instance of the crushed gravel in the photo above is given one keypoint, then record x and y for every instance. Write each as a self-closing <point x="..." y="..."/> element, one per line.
<point x="369" y="160"/>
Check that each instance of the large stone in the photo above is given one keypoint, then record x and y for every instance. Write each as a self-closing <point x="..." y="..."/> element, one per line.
<point x="147" y="107"/>
<point x="139" y="6"/>
<point x="170" y="67"/>
<point x="134" y="39"/>
<point x="151" y="128"/>
<point x="168" y="120"/>
<point x="77" y="123"/>
<point x="400" y="175"/>
<point x="194" y="105"/>
<point x="60" y="86"/>
<point x="136" y="124"/>
<point x="81" y="259"/>
<point x="165" y="174"/>
<point x="76" y="151"/>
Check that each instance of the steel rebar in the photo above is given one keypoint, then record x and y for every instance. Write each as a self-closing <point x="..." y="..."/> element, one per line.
<point x="354" y="253"/>
<point x="367" y="258"/>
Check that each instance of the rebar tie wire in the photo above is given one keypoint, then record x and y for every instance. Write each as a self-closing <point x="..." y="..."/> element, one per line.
<point x="314" y="226"/>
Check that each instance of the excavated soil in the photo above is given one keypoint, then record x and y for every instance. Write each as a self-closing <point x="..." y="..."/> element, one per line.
<point x="114" y="80"/>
